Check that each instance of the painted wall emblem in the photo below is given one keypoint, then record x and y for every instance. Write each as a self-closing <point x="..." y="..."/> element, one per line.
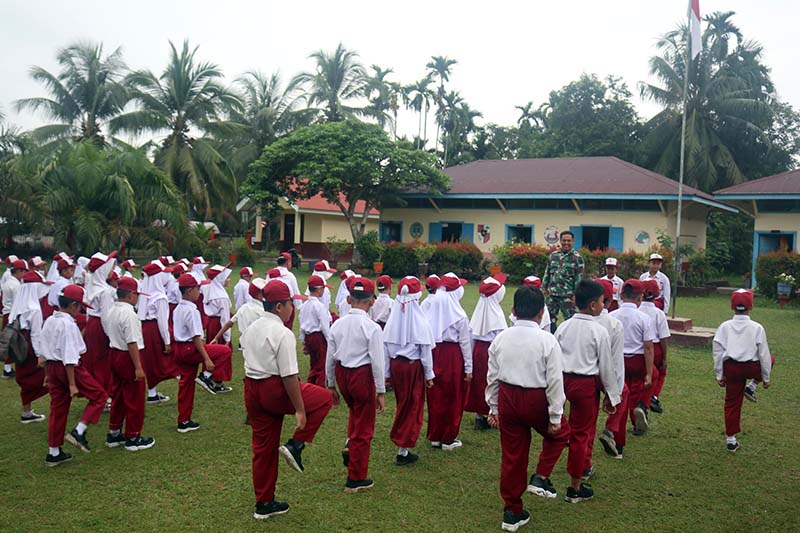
<point x="416" y="230"/>
<point x="485" y="232"/>
<point x="642" y="238"/>
<point x="551" y="234"/>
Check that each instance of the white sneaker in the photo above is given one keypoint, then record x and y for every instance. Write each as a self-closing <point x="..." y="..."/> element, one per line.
<point x="452" y="446"/>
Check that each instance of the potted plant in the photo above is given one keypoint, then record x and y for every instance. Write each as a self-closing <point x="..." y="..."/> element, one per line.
<point x="423" y="253"/>
<point x="784" y="288"/>
<point x="336" y="249"/>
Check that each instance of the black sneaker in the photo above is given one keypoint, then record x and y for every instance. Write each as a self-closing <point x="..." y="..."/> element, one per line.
<point x="78" y="440"/>
<point x="584" y="493"/>
<point x="587" y="474"/>
<point x="157" y="399"/>
<point x="9" y="374"/>
<point x="112" y="441"/>
<point x="207" y="383"/>
<point x="55" y="460"/>
<point x="186" y="427"/>
<point x="221" y="388"/>
<point x="139" y="443"/>
<point x="541" y="487"/>
<point x="513" y="521"/>
<point x="655" y="405"/>
<point x="750" y="394"/>
<point x="639" y="420"/>
<point x="31" y="418"/>
<point x="351" y="486"/>
<point x="481" y="423"/>
<point x="733" y="447"/>
<point x="408" y="459"/>
<point x="267" y="509"/>
<point x="609" y="444"/>
<point x="346" y="453"/>
<point x="292" y="452"/>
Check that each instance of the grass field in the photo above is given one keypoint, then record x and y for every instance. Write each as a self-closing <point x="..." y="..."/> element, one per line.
<point x="677" y="477"/>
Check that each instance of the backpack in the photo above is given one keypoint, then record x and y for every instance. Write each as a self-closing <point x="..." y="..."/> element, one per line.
<point x="13" y="343"/>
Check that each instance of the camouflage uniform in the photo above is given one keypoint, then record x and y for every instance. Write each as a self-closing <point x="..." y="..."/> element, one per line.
<point x="564" y="271"/>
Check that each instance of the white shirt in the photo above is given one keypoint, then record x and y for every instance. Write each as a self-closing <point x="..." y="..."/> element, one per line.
<point x="742" y="340"/>
<point x="355" y="340"/>
<point x="637" y="326"/>
<point x="247" y="315"/>
<point x="241" y="293"/>
<point x="173" y="291"/>
<point x="659" y="320"/>
<point x="55" y="290"/>
<point x="269" y="349"/>
<point x="32" y="321"/>
<point x="382" y="308"/>
<point x="414" y="352"/>
<point x="525" y="356"/>
<point x="544" y="323"/>
<point x="586" y="350"/>
<point x="122" y="326"/>
<point x="10" y="289"/>
<point x="617" y="282"/>
<point x="62" y="340"/>
<point x="616" y="336"/>
<point x="314" y="317"/>
<point x="663" y="286"/>
<point x="186" y="322"/>
<point x="102" y="302"/>
<point x="291" y="281"/>
<point x="459" y="332"/>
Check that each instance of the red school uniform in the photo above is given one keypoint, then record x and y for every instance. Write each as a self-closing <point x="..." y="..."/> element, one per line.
<point x="154" y="314"/>
<point x="315" y="330"/>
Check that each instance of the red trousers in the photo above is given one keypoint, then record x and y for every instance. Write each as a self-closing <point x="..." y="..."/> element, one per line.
<point x="358" y="391"/>
<point x="213" y="327"/>
<point x="408" y="380"/>
<point x="446" y="397"/>
<point x="81" y="319"/>
<point x="317" y="348"/>
<point x="635" y="372"/>
<point x="60" y="399"/>
<point x="95" y="360"/>
<point x="521" y="409"/>
<point x="736" y="375"/>
<point x="47" y="309"/>
<point x="617" y="422"/>
<point x="267" y="403"/>
<point x="157" y="365"/>
<point x="127" y="395"/>
<point x="202" y="309"/>
<point x="188" y="358"/>
<point x="658" y="375"/>
<point x="29" y="376"/>
<point x="476" y="397"/>
<point x="582" y="394"/>
<point x="8" y="360"/>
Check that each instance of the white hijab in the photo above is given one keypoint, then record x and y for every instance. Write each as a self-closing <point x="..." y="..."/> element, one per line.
<point x="52" y="273"/>
<point x="343" y="293"/>
<point x="26" y="301"/>
<point x="216" y="289"/>
<point x="79" y="276"/>
<point x="407" y="322"/>
<point x="155" y="287"/>
<point x="445" y="311"/>
<point x="488" y="315"/>
<point x="97" y="281"/>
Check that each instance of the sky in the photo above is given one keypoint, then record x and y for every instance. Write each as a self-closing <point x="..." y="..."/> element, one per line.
<point x="508" y="52"/>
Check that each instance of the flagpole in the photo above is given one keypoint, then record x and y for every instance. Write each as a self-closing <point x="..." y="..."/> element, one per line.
<point x="673" y="303"/>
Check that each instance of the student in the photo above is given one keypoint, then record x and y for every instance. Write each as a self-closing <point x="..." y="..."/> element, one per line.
<point x="248" y="314"/>
<point x="121" y="325"/>
<point x="408" y="344"/>
<point x="355" y="361"/>
<point x="611" y="267"/>
<point x="37" y="263"/>
<point x="432" y="284"/>
<point x="240" y="290"/>
<point x="199" y="265"/>
<point x="101" y="297"/>
<point x="284" y="265"/>
<point x="272" y="390"/>
<point x="487" y="321"/>
<point x="545" y="322"/>
<point x="53" y="272"/>
<point x="323" y="269"/>
<point x="11" y="283"/>
<point x="216" y="301"/>
<point x="158" y="360"/>
<point x="660" y="344"/>
<point x="65" y="269"/>
<point x="654" y="272"/>
<point x="172" y="290"/>
<point x="525" y="389"/>
<point x="452" y="363"/>
<point x="315" y="330"/>
<point x="383" y="303"/>
<point x="127" y="267"/>
<point x="29" y="374"/>
<point x="342" y="293"/>
<point x="190" y="351"/>
<point x="62" y="347"/>
<point x="587" y="364"/>
<point x="638" y="347"/>
<point x="741" y="352"/>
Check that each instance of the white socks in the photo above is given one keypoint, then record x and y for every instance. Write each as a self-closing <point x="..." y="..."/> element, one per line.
<point x="7" y="367"/>
<point x="80" y="428"/>
<point x="115" y="432"/>
<point x="402" y="451"/>
<point x="29" y="412"/>
<point x="207" y="374"/>
<point x="54" y="452"/>
<point x="730" y="440"/>
<point x="152" y="392"/>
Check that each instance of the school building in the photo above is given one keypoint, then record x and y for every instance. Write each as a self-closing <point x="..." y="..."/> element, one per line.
<point x="774" y="204"/>
<point x="606" y="202"/>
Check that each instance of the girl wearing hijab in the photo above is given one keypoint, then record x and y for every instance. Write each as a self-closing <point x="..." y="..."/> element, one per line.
<point x="217" y="303"/>
<point x="432" y="284"/>
<point x="343" y="293"/>
<point x="158" y="362"/>
<point x="100" y="295"/>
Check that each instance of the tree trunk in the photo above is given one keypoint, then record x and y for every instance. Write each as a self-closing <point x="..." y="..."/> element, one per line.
<point x="425" y="127"/>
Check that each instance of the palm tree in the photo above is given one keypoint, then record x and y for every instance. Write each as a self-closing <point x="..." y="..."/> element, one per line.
<point x="84" y="96"/>
<point x="439" y="66"/>
<point x="419" y="96"/>
<point x="339" y="77"/>
<point x="728" y="101"/>
<point x="380" y="93"/>
<point x="187" y="97"/>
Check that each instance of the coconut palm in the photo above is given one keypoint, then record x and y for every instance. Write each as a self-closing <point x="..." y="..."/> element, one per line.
<point x="418" y="97"/>
<point x="381" y="95"/>
<point x="187" y="99"/>
<point x="439" y="66"/>
<point x="84" y="96"/>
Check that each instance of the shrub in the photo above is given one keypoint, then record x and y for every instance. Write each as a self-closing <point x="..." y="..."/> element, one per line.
<point x="520" y="260"/>
<point x="244" y="255"/>
<point x="369" y="248"/>
<point x="462" y="258"/>
<point x="399" y="259"/>
<point x="769" y="266"/>
<point x="337" y="247"/>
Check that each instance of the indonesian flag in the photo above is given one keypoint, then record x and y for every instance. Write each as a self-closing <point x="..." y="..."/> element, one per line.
<point x="695" y="38"/>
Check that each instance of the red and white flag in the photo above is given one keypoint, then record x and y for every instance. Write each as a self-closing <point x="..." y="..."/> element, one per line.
<point x="695" y="35"/>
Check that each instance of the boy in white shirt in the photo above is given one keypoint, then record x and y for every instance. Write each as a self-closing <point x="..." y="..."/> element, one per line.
<point x="240" y="290"/>
<point x="545" y="322"/>
<point x="611" y="268"/>
<point x="741" y="352"/>
<point x="355" y="362"/>
<point x="10" y="285"/>
<point x="383" y="303"/>
<point x="654" y="272"/>
<point x="247" y="314"/>
<point x="284" y="266"/>
<point x="342" y="293"/>
<point x="660" y="345"/>
<point x="315" y="330"/>
<point x="65" y="269"/>
<point x="525" y="389"/>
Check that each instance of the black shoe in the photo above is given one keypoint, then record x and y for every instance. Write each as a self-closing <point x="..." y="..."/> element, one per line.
<point x="609" y="444"/>
<point x="436" y="445"/>
<point x="112" y="441"/>
<point x="206" y="382"/>
<point x="640" y="423"/>
<point x="513" y="521"/>
<point x="31" y="418"/>
<point x="139" y="443"/>
<point x="55" y="460"/>
<point x="9" y="374"/>
<point x="620" y="449"/>
<point x="346" y="454"/>
<point x="157" y="399"/>
<point x="750" y="394"/>
<point x="583" y="494"/>
<point x="247" y="420"/>
<point x="655" y="405"/>
<point x="408" y="459"/>
<point x="733" y="447"/>
<point x="78" y="440"/>
<point x="267" y="509"/>
<point x="541" y="487"/>
<point x="354" y="486"/>
<point x="481" y="423"/>
<point x="292" y="452"/>
<point x="186" y="427"/>
<point x="221" y="388"/>
<point x="587" y="474"/>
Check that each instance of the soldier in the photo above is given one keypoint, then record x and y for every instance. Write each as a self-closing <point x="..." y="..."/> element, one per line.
<point x="564" y="271"/>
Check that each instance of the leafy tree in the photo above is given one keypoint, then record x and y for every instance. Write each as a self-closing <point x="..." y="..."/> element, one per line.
<point x="495" y="142"/>
<point x="439" y="67"/>
<point x="381" y="95"/>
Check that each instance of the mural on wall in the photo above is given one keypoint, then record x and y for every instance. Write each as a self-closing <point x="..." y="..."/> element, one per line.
<point x="416" y="230"/>
<point x="642" y="238"/>
<point x="485" y="232"/>
<point x="551" y="234"/>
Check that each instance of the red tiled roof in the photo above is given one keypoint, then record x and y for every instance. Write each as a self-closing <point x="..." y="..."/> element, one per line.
<point x="318" y="203"/>
<point x="783" y="183"/>
<point x="563" y="175"/>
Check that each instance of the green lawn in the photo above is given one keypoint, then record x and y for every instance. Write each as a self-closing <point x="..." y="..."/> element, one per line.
<point x="678" y="477"/>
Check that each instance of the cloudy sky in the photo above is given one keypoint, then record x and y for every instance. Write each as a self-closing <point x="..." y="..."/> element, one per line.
<point x="508" y="52"/>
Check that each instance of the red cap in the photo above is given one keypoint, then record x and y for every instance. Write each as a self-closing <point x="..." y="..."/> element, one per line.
<point x="287" y="255"/>
<point x="113" y="277"/>
<point x="128" y="264"/>
<point x="384" y="282"/>
<point x="650" y="289"/>
<point x="20" y="264"/>
<point x="10" y="260"/>
<point x="608" y="288"/>
<point x="410" y="284"/>
<point x="346" y="274"/>
<point x="129" y="284"/>
<point x="433" y="282"/>
<point x="187" y="280"/>
<point x="452" y="283"/>
<point x="34" y="276"/>
<point x="315" y="282"/>
<point x="199" y="260"/>
<point x="532" y="281"/>
<point x="177" y="267"/>
<point x="323" y="266"/>
<point x="742" y="300"/>
<point x="278" y="291"/>
<point x="153" y="267"/>
<point x="64" y="263"/>
<point x="75" y="293"/>
<point x="274" y="273"/>
<point x="215" y="271"/>
<point x="634" y="284"/>
<point x="246" y="271"/>
<point x="256" y="287"/>
<point x="37" y="262"/>
<point x="99" y="259"/>
<point x="361" y="284"/>
<point x="61" y="255"/>
<point x="492" y="284"/>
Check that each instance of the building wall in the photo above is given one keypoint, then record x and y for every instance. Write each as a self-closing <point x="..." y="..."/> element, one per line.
<point x="784" y="222"/>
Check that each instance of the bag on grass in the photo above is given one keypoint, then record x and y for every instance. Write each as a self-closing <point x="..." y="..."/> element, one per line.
<point x="13" y="343"/>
